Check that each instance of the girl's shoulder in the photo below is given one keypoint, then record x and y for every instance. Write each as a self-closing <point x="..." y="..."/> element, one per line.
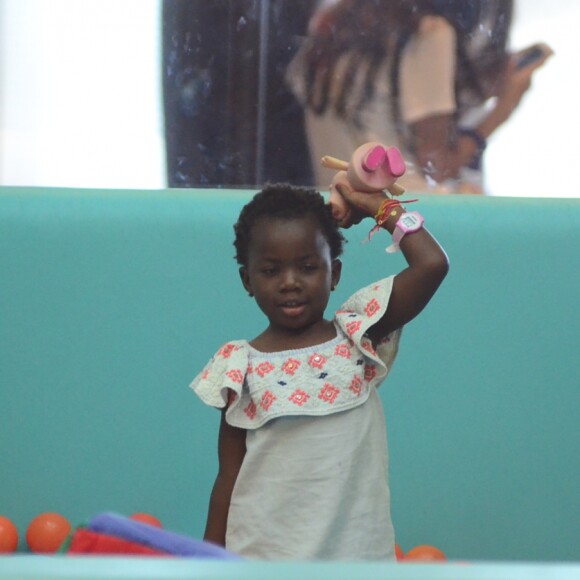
<point x="368" y="303"/>
<point x="361" y="311"/>
<point x="225" y="371"/>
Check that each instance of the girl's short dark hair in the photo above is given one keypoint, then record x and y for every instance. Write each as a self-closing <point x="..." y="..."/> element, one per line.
<point x="285" y="201"/>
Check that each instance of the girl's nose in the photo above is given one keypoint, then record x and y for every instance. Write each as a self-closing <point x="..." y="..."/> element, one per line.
<point x="290" y="280"/>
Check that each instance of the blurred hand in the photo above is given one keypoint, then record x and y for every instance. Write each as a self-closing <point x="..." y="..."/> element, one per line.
<point x="517" y="80"/>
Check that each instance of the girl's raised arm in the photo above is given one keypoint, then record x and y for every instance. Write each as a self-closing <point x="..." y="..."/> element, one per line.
<point x="427" y="262"/>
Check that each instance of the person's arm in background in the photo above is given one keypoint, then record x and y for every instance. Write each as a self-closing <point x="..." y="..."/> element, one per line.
<point x="515" y="83"/>
<point x="441" y="149"/>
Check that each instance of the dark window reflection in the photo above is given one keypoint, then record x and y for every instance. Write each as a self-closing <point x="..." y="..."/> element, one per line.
<point x="230" y="120"/>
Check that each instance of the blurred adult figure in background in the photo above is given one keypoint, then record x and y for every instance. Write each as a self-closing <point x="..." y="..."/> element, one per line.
<point x="432" y="77"/>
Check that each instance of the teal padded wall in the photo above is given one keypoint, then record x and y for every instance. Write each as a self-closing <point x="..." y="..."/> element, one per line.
<point x="112" y="301"/>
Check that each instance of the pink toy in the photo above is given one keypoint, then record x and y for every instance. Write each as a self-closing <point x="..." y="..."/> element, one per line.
<point x="372" y="167"/>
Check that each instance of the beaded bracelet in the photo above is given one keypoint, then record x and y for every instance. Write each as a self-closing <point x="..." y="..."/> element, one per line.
<point x="386" y="210"/>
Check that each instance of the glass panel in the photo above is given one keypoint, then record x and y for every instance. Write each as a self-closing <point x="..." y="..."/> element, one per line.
<point x="230" y="118"/>
<point x="190" y="93"/>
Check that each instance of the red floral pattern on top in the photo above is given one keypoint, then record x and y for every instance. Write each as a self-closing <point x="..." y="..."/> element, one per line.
<point x="372" y="307"/>
<point x="227" y="350"/>
<point x="317" y="360"/>
<point x="291" y="366"/>
<point x="370" y="372"/>
<point x="251" y="410"/>
<point x="236" y="375"/>
<point x="352" y="327"/>
<point x="343" y="350"/>
<point x="299" y="397"/>
<point x="328" y="393"/>
<point x="267" y="399"/>
<point x="356" y="386"/>
<point x="368" y="346"/>
<point x="264" y="368"/>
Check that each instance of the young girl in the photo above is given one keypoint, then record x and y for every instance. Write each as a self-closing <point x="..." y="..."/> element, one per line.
<point x="302" y="445"/>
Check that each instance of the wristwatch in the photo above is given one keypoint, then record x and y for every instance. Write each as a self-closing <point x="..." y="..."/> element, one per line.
<point x="407" y="223"/>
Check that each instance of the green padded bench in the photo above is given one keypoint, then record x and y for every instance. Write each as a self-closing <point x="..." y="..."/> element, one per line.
<point x="108" y="309"/>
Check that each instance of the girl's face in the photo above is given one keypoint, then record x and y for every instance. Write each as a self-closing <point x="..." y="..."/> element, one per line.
<point x="290" y="272"/>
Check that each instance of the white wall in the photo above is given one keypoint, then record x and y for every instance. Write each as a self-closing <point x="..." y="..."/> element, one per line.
<point x="81" y="96"/>
<point x="537" y="152"/>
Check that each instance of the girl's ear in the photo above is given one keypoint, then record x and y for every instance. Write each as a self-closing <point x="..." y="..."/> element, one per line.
<point x="246" y="280"/>
<point x="336" y="270"/>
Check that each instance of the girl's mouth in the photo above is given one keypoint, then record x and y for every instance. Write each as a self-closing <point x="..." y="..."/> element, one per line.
<point x="293" y="308"/>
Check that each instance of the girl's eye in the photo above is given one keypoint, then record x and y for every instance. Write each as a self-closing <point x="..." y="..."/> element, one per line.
<point x="268" y="271"/>
<point x="309" y="267"/>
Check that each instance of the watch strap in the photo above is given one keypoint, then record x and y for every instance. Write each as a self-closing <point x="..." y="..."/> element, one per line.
<point x="399" y="233"/>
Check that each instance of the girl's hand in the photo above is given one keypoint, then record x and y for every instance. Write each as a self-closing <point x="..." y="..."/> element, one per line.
<point x="361" y="205"/>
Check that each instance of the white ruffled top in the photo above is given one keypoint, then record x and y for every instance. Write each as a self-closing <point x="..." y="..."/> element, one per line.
<point x="319" y="380"/>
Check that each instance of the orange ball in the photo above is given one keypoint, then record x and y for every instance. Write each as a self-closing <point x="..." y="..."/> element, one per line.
<point x="425" y="553"/>
<point x="399" y="554"/>
<point x="46" y="533"/>
<point x="147" y="519"/>
<point x="8" y="536"/>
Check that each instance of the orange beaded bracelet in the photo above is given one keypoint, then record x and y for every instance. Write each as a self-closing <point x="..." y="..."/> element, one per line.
<point x="386" y="209"/>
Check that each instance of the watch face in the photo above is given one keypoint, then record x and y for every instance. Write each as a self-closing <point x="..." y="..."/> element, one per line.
<point x="410" y="222"/>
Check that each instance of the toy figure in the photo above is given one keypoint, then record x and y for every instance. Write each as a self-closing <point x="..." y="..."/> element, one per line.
<point x="372" y="167"/>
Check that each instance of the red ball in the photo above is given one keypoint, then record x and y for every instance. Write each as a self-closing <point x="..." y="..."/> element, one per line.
<point x="425" y="553"/>
<point x="8" y="536"/>
<point x="46" y="533"/>
<point x="147" y="519"/>
<point x="399" y="554"/>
